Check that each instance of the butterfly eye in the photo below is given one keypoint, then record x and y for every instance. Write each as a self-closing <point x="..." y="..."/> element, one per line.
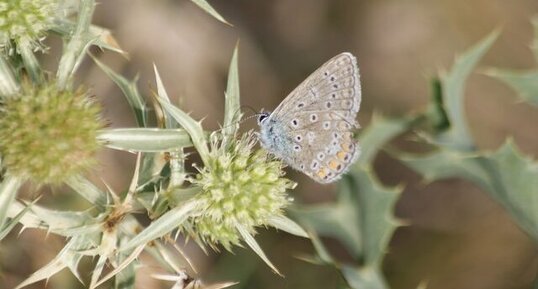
<point x="262" y="117"/>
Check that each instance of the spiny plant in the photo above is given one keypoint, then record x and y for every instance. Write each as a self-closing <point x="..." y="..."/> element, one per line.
<point x="235" y="180"/>
<point x="51" y="131"/>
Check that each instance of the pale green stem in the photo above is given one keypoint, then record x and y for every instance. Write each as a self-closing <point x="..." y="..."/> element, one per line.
<point x="77" y="45"/>
<point x="30" y="62"/>
<point x="8" y="85"/>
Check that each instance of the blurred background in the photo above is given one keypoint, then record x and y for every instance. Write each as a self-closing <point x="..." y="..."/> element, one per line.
<point x="457" y="236"/>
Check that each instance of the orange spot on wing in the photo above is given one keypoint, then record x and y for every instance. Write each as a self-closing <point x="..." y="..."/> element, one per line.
<point x="321" y="173"/>
<point x="333" y="164"/>
<point x="346" y="146"/>
<point x="341" y="155"/>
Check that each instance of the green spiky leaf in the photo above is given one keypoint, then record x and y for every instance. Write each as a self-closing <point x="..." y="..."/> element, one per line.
<point x="130" y="90"/>
<point x="207" y="8"/>
<point x="378" y="222"/>
<point x="8" y="190"/>
<point x="251" y="242"/>
<point x="146" y="139"/>
<point x="364" y="278"/>
<point x="361" y="218"/>
<point x="190" y="125"/>
<point x="458" y="136"/>
<point x="66" y="258"/>
<point x="232" y="112"/>
<point x="103" y="37"/>
<point x="14" y="221"/>
<point x="287" y="225"/>
<point x="88" y="191"/>
<point x="380" y="131"/>
<point x="525" y="83"/>
<point x="506" y="175"/>
<point x="162" y="226"/>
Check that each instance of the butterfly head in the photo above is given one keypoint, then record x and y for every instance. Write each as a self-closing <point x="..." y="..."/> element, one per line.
<point x="262" y="117"/>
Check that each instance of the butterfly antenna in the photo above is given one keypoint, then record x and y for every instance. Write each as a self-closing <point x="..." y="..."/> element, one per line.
<point x="255" y="114"/>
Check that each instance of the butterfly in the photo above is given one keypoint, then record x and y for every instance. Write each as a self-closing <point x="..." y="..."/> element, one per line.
<point x="312" y="128"/>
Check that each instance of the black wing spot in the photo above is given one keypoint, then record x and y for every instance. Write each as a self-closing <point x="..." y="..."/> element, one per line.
<point x="295" y="122"/>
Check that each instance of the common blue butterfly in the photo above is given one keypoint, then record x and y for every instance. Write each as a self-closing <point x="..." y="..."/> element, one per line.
<point x="312" y="128"/>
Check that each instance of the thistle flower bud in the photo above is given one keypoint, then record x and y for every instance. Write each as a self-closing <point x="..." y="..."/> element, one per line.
<point x="25" y="21"/>
<point x="48" y="135"/>
<point x="246" y="189"/>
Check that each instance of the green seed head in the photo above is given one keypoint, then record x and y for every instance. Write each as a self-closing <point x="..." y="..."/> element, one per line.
<point x="48" y="135"/>
<point x="25" y="21"/>
<point x="240" y="187"/>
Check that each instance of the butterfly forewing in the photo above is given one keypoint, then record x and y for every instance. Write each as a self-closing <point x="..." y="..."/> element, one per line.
<point x="336" y="80"/>
<point x="311" y="129"/>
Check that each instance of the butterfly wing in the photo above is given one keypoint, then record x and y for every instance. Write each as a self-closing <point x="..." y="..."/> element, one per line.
<point x="336" y="79"/>
<point x="317" y="120"/>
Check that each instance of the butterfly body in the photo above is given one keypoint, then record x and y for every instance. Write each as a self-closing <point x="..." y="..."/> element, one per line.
<point x="312" y="129"/>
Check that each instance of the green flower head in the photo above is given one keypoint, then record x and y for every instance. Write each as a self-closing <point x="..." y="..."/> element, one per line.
<point x="48" y="135"/>
<point x="25" y="22"/>
<point x="240" y="187"/>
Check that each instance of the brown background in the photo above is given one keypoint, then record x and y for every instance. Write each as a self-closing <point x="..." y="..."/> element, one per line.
<point x="458" y="237"/>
